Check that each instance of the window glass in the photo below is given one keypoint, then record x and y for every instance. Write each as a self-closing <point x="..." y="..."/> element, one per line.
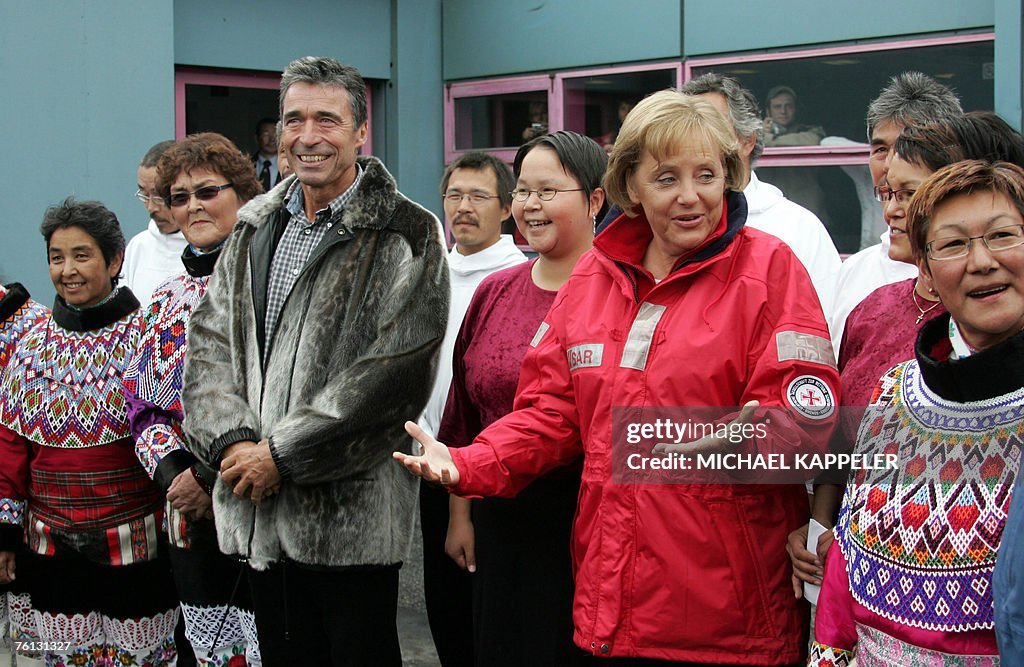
<point x="501" y="120"/>
<point x="841" y="197"/>
<point x="595" y="105"/>
<point x="832" y="92"/>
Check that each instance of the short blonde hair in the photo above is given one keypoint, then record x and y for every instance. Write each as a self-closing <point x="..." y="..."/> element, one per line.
<point x="660" y="124"/>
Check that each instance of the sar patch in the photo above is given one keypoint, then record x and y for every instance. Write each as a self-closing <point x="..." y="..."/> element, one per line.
<point x="811" y="397"/>
<point x="585" y="356"/>
<point x="793" y="345"/>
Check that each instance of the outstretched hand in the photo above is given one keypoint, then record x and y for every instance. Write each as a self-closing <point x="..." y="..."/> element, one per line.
<point x="434" y="463"/>
<point x="710" y="444"/>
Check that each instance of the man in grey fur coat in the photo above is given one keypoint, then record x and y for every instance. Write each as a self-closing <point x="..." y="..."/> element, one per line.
<point x="317" y="339"/>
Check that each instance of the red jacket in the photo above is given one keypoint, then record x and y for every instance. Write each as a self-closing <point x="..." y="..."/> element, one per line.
<point x="672" y="571"/>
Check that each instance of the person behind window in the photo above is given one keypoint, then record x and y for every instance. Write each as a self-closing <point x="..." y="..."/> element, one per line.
<point x="538" y="114"/>
<point x="607" y="141"/>
<point x="780" y="121"/>
<point x="679" y="304"/>
<point x="909" y="578"/>
<point x="268" y="169"/>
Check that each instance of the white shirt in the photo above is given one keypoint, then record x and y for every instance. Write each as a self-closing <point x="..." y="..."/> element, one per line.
<point x="466" y="272"/>
<point x="275" y="176"/>
<point x="769" y="211"/>
<point x="150" y="259"/>
<point x="860" y="275"/>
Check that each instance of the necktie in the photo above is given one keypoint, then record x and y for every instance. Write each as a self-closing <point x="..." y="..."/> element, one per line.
<point x="265" y="176"/>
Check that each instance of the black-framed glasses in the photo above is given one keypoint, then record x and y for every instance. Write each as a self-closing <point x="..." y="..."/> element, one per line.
<point x="884" y="193"/>
<point x="475" y="198"/>
<point x="155" y="200"/>
<point x="205" y="193"/>
<point x="955" y="247"/>
<point x="544" y="194"/>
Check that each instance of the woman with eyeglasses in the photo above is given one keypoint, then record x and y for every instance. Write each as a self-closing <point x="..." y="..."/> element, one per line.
<point x="909" y="579"/>
<point x="679" y="311"/>
<point x="518" y="548"/>
<point x="205" y="180"/>
<point x="79" y="518"/>
<point x="880" y="332"/>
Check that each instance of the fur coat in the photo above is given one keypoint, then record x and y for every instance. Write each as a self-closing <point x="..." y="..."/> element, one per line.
<point x="353" y="357"/>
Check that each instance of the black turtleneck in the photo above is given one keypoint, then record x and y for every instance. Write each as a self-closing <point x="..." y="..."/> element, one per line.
<point x="199" y="266"/>
<point x="96" y="317"/>
<point x="992" y="372"/>
<point x="16" y="297"/>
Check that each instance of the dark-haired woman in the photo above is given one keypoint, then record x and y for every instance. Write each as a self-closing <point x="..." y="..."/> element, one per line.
<point x="82" y="531"/>
<point x="205" y="179"/>
<point x="522" y="588"/>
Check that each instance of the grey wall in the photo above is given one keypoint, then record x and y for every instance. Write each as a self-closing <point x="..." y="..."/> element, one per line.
<point x="268" y="34"/>
<point x="414" y="100"/>
<point x="493" y="38"/>
<point x="1009" y="60"/>
<point x="86" y="92"/>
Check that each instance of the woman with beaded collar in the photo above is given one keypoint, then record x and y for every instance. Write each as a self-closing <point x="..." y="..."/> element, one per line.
<point x="91" y="581"/>
<point x="205" y="179"/>
<point x="909" y="577"/>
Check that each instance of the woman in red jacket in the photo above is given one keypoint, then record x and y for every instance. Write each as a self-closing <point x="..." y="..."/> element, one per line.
<point x="679" y="306"/>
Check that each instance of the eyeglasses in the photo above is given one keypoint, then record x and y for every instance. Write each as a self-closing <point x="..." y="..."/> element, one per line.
<point x="955" y="247"/>
<point x="884" y="193"/>
<point x="155" y="200"/>
<point x="544" y="194"/>
<point x="205" y="193"/>
<point x="475" y="198"/>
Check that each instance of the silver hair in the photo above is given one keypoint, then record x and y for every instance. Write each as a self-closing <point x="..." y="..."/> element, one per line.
<point x="327" y="72"/>
<point x="743" y="110"/>
<point x="913" y="98"/>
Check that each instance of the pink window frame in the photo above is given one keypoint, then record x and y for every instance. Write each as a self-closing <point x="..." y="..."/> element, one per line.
<point x="234" y="78"/>
<point x="519" y="84"/>
<point x="811" y="156"/>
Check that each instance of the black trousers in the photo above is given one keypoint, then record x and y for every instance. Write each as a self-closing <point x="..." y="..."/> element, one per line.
<point x="447" y="588"/>
<point x="340" y="617"/>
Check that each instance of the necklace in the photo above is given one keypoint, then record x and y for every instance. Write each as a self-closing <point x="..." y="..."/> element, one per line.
<point x="922" y="311"/>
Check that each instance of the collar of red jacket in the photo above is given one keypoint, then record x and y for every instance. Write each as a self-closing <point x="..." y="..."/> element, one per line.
<point x="626" y="239"/>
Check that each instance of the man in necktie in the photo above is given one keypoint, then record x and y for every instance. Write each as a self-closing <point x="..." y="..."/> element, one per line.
<point x="265" y="157"/>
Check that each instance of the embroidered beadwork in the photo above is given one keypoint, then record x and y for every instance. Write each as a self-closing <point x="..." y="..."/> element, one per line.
<point x="63" y="388"/>
<point x="921" y="541"/>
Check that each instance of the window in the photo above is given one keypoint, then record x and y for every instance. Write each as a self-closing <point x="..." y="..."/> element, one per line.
<point x="496" y="116"/>
<point x="819" y="156"/>
<point x="594" y="103"/>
